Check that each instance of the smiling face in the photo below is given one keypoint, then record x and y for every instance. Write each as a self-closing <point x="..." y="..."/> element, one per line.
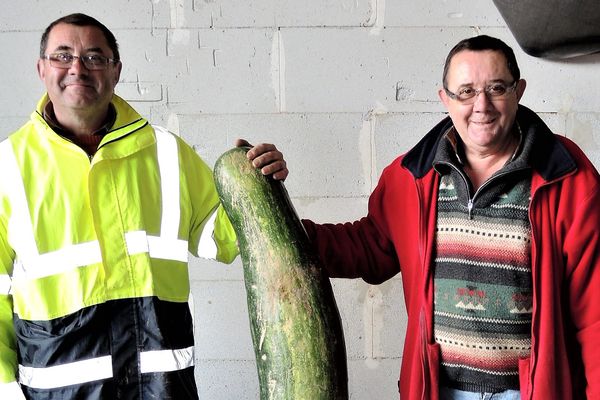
<point x="77" y="90"/>
<point x="485" y="125"/>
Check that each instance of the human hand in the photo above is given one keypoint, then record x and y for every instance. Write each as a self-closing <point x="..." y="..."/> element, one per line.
<point x="266" y="157"/>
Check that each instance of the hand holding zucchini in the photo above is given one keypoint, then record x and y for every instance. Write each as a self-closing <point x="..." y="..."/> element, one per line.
<point x="295" y="324"/>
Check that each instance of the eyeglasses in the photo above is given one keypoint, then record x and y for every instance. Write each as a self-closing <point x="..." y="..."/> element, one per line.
<point x="92" y="62"/>
<point x="495" y="91"/>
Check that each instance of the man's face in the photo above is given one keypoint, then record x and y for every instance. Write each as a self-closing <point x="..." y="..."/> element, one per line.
<point x="484" y="125"/>
<point x="77" y="89"/>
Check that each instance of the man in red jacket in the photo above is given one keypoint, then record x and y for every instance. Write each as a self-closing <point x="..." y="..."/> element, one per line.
<point x="493" y="222"/>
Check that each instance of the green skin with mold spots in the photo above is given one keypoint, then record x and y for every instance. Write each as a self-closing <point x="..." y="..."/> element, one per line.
<point x="294" y="320"/>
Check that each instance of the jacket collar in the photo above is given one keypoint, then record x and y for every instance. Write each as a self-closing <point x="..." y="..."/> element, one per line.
<point x="124" y="116"/>
<point x="550" y="158"/>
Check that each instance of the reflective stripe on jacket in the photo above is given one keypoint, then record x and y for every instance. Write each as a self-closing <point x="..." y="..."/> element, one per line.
<point x="93" y="259"/>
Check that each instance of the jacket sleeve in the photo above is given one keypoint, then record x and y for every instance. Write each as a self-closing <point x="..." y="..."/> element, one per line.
<point x="582" y="254"/>
<point x="217" y="238"/>
<point x="211" y="233"/>
<point x="8" y="347"/>
<point x="360" y="249"/>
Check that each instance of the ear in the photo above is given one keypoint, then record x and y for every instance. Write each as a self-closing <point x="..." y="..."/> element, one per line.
<point x="443" y="97"/>
<point x="117" y="72"/>
<point x="41" y="68"/>
<point x="520" y="88"/>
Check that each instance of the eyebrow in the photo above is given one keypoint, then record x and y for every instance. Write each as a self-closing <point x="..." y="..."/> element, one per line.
<point x="493" y="81"/>
<point x="88" y="50"/>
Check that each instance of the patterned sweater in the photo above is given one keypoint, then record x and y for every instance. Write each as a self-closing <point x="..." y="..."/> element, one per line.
<point x="483" y="287"/>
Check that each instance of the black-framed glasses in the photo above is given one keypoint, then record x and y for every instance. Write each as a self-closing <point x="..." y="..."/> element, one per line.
<point x="90" y="61"/>
<point x="495" y="91"/>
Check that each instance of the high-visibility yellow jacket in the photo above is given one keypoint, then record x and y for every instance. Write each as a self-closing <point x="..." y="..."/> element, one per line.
<point x="93" y="260"/>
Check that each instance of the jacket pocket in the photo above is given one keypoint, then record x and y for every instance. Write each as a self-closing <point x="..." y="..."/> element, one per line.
<point x="433" y="358"/>
<point x="524" y="370"/>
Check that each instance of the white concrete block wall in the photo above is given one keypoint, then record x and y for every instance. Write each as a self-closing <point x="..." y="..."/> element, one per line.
<point x="342" y="87"/>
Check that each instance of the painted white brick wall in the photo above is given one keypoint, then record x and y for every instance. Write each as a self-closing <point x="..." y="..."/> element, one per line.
<point x="342" y="87"/>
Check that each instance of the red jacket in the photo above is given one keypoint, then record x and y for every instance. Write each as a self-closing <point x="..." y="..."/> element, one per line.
<point x="397" y="235"/>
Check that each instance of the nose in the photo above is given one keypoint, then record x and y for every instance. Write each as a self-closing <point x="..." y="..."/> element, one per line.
<point x="482" y="101"/>
<point x="77" y="65"/>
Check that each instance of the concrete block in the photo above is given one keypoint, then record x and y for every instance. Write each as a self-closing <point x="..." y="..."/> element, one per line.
<point x="272" y="13"/>
<point x="346" y="13"/>
<point x="158" y="113"/>
<point x="20" y="83"/>
<point x="396" y="133"/>
<point x="335" y="143"/>
<point x="143" y="108"/>
<point x="331" y="209"/>
<point x="554" y="88"/>
<point x="140" y="92"/>
<point x="204" y="270"/>
<point x="10" y="124"/>
<point x="207" y="134"/>
<point x="38" y="14"/>
<point x="584" y="129"/>
<point x="440" y="13"/>
<point x="353" y="70"/>
<point x="399" y="70"/>
<point x="389" y="320"/>
<point x="316" y="13"/>
<point x="223" y="71"/>
<point x="355" y="315"/>
<point x="227" y="14"/>
<point x="227" y="379"/>
<point x="146" y="65"/>
<point x="373" y="379"/>
<point x="373" y="317"/>
<point x="222" y="327"/>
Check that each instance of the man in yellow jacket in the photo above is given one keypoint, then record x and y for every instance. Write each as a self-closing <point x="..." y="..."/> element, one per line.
<point x="98" y="211"/>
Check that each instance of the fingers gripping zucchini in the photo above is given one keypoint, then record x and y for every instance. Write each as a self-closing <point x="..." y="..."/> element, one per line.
<point x="294" y="320"/>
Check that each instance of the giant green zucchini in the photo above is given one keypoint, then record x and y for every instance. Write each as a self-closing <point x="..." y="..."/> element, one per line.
<point x="294" y="321"/>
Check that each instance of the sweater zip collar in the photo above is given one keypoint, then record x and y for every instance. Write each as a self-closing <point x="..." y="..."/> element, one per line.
<point x="472" y="198"/>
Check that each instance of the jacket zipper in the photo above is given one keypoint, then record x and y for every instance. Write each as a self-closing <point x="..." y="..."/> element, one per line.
<point x="422" y="321"/>
<point x="89" y="156"/>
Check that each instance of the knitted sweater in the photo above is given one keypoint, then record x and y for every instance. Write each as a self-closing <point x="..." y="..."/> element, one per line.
<point x="483" y="287"/>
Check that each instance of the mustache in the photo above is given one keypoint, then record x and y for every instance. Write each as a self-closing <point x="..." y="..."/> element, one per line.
<point x="79" y="80"/>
